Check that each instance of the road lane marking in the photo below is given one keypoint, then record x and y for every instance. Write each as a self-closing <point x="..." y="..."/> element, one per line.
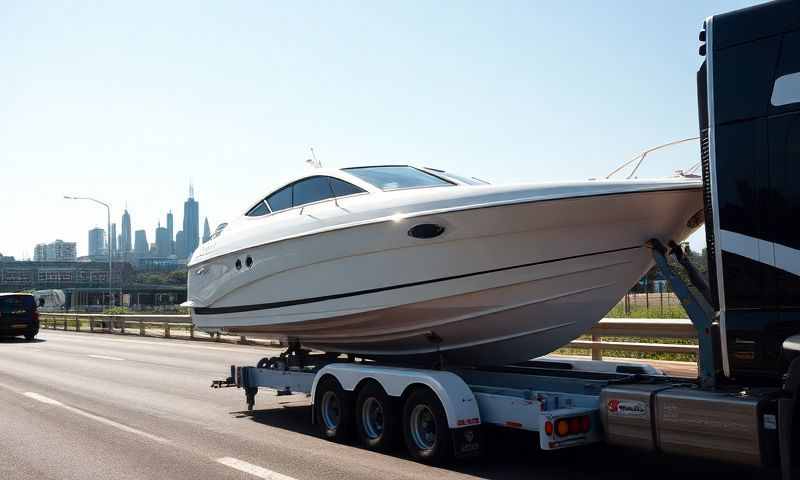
<point x="111" y="423"/>
<point x="105" y="357"/>
<point x="254" y="470"/>
<point x="174" y="343"/>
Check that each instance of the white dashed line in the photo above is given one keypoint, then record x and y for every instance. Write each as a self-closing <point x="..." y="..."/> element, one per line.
<point x="111" y="423"/>
<point x="104" y="357"/>
<point x="254" y="470"/>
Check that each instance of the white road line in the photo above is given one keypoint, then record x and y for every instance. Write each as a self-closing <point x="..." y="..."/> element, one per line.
<point x="166" y="342"/>
<point x="104" y="357"/>
<point x="254" y="470"/>
<point x="111" y="423"/>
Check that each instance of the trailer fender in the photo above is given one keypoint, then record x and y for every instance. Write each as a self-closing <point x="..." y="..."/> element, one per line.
<point x="457" y="399"/>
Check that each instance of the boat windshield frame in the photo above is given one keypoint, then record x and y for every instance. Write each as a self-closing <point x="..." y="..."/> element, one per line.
<point x="445" y="181"/>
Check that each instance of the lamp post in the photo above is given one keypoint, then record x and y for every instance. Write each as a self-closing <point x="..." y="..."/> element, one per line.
<point x="108" y="232"/>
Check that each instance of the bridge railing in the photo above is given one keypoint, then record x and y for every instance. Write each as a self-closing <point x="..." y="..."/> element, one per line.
<point x="667" y="328"/>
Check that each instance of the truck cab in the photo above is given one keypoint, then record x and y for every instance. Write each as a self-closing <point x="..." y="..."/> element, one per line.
<point x="749" y="112"/>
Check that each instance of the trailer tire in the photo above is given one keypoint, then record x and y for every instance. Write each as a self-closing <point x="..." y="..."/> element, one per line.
<point x="333" y="410"/>
<point x="376" y="421"/>
<point x="425" y="430"/>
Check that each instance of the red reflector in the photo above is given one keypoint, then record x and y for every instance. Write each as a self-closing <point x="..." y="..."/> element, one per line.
<point x="574" y="425"/>
<point x="586" y="424"/>
<point x="513" y="424"/>
<point x="548" y="427"/>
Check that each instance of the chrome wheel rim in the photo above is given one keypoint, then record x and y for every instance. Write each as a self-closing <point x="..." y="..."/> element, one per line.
<point x="331" y="410"/>
<point x="372" y="418"/>
<point x="423" y="427"/>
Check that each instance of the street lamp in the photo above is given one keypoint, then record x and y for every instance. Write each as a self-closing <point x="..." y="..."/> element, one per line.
<point x="108" y="209"/>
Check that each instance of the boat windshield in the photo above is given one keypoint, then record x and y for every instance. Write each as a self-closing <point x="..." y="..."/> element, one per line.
<point x="459" y="178"/>
<point x="396" y="177"/>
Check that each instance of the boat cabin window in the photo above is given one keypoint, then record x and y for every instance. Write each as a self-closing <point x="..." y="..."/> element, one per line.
<point x="343" y="189"/>
<point x="396" y="177"/>
<point x="258" y="210"/>
<point x="309" y="190"/>
<point x="280" y="200"/>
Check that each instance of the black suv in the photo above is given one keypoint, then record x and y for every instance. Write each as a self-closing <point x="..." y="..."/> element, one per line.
<point x="18" y="315"/>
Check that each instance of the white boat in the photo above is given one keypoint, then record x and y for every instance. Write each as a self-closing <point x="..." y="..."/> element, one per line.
<point x="412" y="262"/>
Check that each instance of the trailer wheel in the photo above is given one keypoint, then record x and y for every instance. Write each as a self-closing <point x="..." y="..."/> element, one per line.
<point x="376" y="420"/>
<point x="425" y="429"/>
<point x="333" y="411"/>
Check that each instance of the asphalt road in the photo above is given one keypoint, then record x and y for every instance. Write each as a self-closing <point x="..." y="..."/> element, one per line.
<point x="97" y="406"/>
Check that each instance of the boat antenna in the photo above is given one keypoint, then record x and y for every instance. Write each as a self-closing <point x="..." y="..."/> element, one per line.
<point x="641" y="156"/>
<point x="313" y="160"/>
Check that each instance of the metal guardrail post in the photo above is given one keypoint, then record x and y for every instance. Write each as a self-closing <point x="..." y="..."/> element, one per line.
<point x="122" y="325"/>
<point x="166" y="330"/>
<point x="191" y="331"/>
<point x="141" y="328"/>
<point x="91" y="324"/>
<point x="77" y="324"/>
<point x="242" y="340"/>
<point x="597" y="351"/>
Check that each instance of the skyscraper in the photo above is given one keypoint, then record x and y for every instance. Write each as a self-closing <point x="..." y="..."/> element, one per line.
<point x="125" y="241"/>
<point x="97" y="242"/>
<point x="163" y="247"/>
<point x="191" y="223"/>
<point x="206" y="231"/>
<point x="113" y="239"/>
<point x="170" y="233"/>
<point x="140" y="246"/>
<point x="180" y="245"/>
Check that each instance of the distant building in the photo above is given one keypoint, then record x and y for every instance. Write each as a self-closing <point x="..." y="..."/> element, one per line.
<point x="113" y="239"/>
<point x="125" y="244"/>
<point x="206" y="231"/>
<point x="163" y="244"/>
<point x="58" y="251"/>
<point x="140" y="245"/>
<point x="97" y="242"/>
<point x="191" y="223"/>
<point x="180" y="245"/>
<point x="41" y="275"/>
<point x="5" y="258"/>
<point x="170" y="232"/>
<point x="159" y="264"/>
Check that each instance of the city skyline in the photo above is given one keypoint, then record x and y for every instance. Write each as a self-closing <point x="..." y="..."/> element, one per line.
<point x="124" y="243"/>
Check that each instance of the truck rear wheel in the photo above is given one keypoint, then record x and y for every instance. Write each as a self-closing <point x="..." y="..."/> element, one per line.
<point x="425" y="429"/>
<point x="376" y="420"/>
<point x="333" y="410"/>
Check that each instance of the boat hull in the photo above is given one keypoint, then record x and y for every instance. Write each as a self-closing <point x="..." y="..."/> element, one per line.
<point x="501" y="284"/>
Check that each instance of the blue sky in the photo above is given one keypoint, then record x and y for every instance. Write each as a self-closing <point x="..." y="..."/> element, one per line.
<point x="130" y="101"/>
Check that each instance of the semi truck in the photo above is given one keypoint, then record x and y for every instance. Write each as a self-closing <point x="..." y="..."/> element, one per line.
<point x="743" y="406"/>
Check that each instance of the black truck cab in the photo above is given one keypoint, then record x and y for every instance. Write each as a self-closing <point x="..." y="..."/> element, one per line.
<point x="749" y="109"/>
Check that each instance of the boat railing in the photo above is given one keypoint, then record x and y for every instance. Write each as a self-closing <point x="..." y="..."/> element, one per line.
<point x="638" y="159"/>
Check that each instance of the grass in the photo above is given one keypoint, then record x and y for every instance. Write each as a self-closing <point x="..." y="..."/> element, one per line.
<point x="655" y="311"/>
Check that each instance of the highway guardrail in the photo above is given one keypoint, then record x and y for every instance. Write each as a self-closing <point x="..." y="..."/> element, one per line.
<point x="667" y="328"/>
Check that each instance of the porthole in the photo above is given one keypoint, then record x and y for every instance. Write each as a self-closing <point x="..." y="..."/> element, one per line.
<point x="238" y="264"/>
<point x="249" y="261"/>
